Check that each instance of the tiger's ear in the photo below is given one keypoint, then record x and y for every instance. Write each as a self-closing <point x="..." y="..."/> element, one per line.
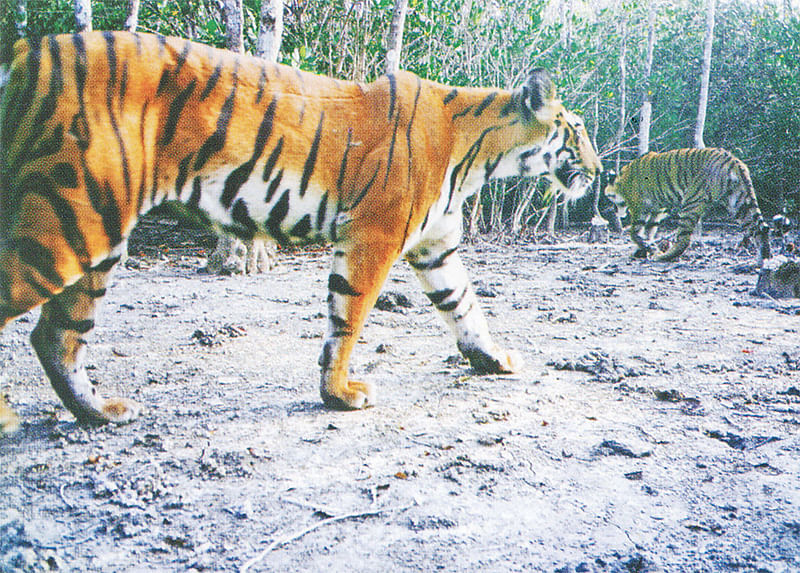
<point x="534" y="98"/>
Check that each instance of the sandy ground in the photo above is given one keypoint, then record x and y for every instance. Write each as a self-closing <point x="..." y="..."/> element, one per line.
<point x="656" y="426"/>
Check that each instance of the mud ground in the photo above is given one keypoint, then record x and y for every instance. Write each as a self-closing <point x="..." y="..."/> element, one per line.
<point x="655" y="427"/>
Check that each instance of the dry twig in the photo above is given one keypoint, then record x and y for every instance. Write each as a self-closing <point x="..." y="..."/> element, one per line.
<point x="294" y="536"/>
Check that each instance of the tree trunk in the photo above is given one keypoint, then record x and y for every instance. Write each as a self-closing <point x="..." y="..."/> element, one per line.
<point x="270" y="30"/>
<point x="622" y="89"/>
<point x="132" y="21"/>
<point x="234" y="34"/>
<point x="647" y="106"/>
<point x="705" y="75"/>
<point x="394" y="42"/>
<point x="83" y="15"/>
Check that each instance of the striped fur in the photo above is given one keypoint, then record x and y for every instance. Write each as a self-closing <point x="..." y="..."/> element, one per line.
<point x="97" y="128"/>
<point x="684" y="182"/>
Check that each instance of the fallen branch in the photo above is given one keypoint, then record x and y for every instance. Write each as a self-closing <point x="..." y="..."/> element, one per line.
<point x="294" y="536"/>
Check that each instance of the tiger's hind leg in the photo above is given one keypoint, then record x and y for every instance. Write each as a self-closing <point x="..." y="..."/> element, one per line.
<point x="446" y="284"/>
<point x="60" y="343"/>
<point x="686" y="225"/>
<point x="358" y="272"/>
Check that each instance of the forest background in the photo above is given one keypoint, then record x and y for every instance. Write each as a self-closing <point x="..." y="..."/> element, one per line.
<point x="608" y="58"/>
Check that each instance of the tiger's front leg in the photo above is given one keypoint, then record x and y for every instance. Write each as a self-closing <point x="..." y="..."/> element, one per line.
<point x="59" y="341"/>
<point x="446" y="283"/>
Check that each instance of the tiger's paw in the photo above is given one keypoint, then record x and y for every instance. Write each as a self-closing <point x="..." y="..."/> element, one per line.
<point x="354" y="396"/>
<point x="120" y="410"/>
<point x="9" y="421"/>
<point x="498" y="362"/>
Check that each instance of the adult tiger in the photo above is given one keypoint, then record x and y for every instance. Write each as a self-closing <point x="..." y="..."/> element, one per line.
<point x="685" y="182"/>
<point x="99" y="127"/>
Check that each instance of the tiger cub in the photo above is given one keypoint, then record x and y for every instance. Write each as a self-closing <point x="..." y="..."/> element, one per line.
<point x="97" y="128"/>
<point x="684" y="182"/>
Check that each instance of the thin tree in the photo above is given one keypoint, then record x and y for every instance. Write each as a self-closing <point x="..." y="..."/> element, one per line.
<point x="83" y="15"/>
<point x="646" y="112"/>
<point x="234" y="25"/>
<point x="394" y="42"/>
<point x="623" y="33"/>
<point x="705" y="76"/>
<point x="132" y="21"/>
<point x="270" y="30"/>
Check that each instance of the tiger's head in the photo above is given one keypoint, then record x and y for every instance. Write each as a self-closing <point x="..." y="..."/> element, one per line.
<point x="546" y="139"/>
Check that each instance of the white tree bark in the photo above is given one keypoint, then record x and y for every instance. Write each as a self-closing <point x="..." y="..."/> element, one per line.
<point x="234" y="25"/>
<point x="647" y="105"/>
<point x="623" y="94"/>
<point x="705" y="75"/>
<point x="394" y="42"/>
<point x="132" y="21"/>
<point x="270" y="30"/>
<point x="83" y="15"/>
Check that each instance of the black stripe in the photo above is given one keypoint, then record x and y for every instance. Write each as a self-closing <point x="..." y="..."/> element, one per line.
<point x="175" y="110"/>
<point x="38" y="184"/>
<point x="212" y="81"/>
<point x="61" y="319"/>
<point x="272" y="160"/>
<point x="104" y="202"/>
<point x="241" y="174"/>
<point x="490" y="166"/>
<point x="466" y="163"/>
<point x="366" y="189"/>
<point x="183" y="174"/>
<point x="163" y="81"/>
<point x="450" y="97"/>
<point x="47" y="146"/>
<point x="35" y="255"/>
<point x="391" y="152"/>
<point x="96" y="293"/>
<point x="217" y="140"/>
<point x="338" y="284"/>
<point x="64" y="175"/>
<point x="322" y="210"/>
<point x="48" y="105"/>
<point x="463" y="112"/>
<point x="302" y="227"/>
<point x="181" y="59"/>
<point x="436" y="297"/>
<point x="276" y="216"/>
<point x="487" y="101"/>
<point x="453" y="304"/>
<point x="342" y="168"/>
<point x="436" y="263"/>
<point x="106" y="265"/>
<point x="311" y="160"/>
<point x="111" y="54"/>
<point x="21" y="100"/>
<point x="273" y="186"/>
<point x="392" y="94"/>
<point x="241" y="215"/>
<point x="194" y="197"/>
<point x="123" y="85"/>
<point x="340" y="326"/>
<point x="262" y="82"/>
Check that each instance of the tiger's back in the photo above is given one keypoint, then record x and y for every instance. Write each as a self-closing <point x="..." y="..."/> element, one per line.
<point x="684" y="183"/>
<point x="97" y="128"/>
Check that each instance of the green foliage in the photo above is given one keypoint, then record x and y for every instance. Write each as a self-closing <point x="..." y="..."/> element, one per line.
<point x="754" y="99"/>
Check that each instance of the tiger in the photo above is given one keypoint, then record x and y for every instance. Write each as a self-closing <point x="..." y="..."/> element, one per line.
<point x="684" y="183"/>
<point x="99" y="127"/>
